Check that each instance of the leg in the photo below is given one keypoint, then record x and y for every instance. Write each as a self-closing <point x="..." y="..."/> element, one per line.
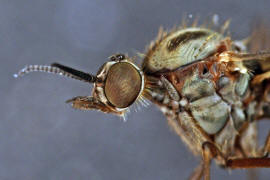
<point x="264" y="100"/>
<point x="197" y="173"/>
<point x="258" y="79"/>
<point x="266" y="149"/>
<point x="237" y="163"/>
<point x="230" y="56"/>
<point x="206" y="163"/>
<point x="209" y="151"/>
<point x="245" y="163"/>
<point x="171" y="90"/>
<point x="252" y="162"/>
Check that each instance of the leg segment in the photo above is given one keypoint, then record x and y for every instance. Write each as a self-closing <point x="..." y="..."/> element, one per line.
<point x="252" y="162"/>
<point x="229" y="56"/>
<point x="209" y="151"/>
<point x="266" y="149"/>
<point x="232" y="58"/>
<point x="170" y="89"/>
<point x="206" y="163"/>
<point x="248" y="163"/>
<point x="237" y="163"/>
<point x="258" y="79"/>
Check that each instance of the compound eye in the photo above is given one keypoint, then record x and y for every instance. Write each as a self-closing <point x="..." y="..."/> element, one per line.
<point x="123" y="84"/>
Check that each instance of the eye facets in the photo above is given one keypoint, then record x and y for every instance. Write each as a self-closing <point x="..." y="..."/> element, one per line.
<point x="123" y="84"/>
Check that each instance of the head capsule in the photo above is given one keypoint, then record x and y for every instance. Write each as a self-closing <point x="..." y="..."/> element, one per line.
<point x="117" y="85"/>
<point x="120" y="83"/>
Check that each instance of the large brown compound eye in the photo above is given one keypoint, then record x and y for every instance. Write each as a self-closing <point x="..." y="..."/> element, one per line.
<point x="123" y="84"/>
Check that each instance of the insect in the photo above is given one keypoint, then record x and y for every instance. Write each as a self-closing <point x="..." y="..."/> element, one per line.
<point x="211" y="89"/>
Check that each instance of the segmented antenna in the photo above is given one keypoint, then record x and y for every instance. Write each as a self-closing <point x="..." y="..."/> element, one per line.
<point x="59" y="69"/>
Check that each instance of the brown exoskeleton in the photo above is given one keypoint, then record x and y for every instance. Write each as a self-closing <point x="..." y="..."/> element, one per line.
<point x="211" y="90"/>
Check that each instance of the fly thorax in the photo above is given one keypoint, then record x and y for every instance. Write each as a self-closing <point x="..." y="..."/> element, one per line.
<point x="180" y="48"/>
<point x="212" y="103"/>
<point x="205" y="104"/>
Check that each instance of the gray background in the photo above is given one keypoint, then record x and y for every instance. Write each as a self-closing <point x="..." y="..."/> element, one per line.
<point x="41" y="137"/>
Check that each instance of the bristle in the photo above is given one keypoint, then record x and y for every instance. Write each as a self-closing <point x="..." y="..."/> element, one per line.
<point x="195" y="21"/>
<point x="137" y="106"/>
<point x="141" y="102"/>
<point x="184" y="22"/>
<point x="205" y="43"/>
<point x="160" y="33"/>
<point x="225" y="26"/>
<point x="123" y="116"/>
<point x="145" y="101"/>
<point x="141" y="55"/>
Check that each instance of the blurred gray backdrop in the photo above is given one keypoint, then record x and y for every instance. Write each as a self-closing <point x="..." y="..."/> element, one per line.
<point x="42" y="138"/>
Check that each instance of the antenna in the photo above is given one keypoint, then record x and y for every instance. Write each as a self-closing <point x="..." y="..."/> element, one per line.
<point x="59" y="69"/>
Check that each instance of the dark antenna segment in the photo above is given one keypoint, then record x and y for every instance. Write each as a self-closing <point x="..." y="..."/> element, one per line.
<point x="59" y="69"/>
